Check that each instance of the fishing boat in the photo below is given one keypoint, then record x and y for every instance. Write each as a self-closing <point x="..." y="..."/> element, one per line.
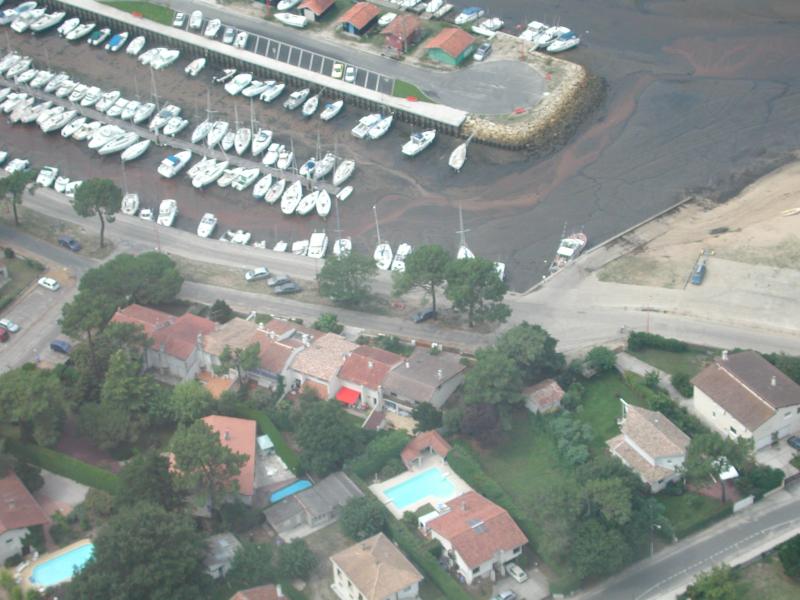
<point x="68" y="26"/>
<point x="344" y="193"/>
<point x="240" y="237"/>
<point x="119" y="143"/>
<point x="307" y="168"/>
<point x="209" y="176"/>
<point x="164" y="58"/>
<point x="167" y="212"/>
<point x="565" y="41"/>
<point x="99" y="36"/>
<point x="245" y="179"/>
<point x="418" y="142"/>
<point x="238" y="83"/>
<point x="104" y="135"/>
<point x="117" y="108"/>
<point x="323" y="204"/>
<point x="135" y="151"/>
<point x="174" y="164"/>
<point x="331" y="109"/>
<point x="91" y="97"/>
<point x="144" y="112"/>
<point x="271" y="157"/>
<point x="568" y="250"/>
<point x="56" y="82"/>
<point x="86" y="131"/>
<point x="317" y="245"/>
<point x="261" y="141"/>
<point x="275" y="191"/>
<point x="324" y="166"/>
<point x="380" y="128"/>
<point x="201" y="131"/>
<point x="468" y="15"/>
<point x="272" y="92"/>
<point x="80" y="32"/>
<point x="207" y="225"/>
<point x="107" y="100"/>
<point x="70" y="128"/>
<point x="136" y="45"/>
<point x="342" y="247"/>
<point x="280" y="246"/>
<point x="47" y="176"/>
<point x="292" y="20"/>
<point x="285" y="159"/>
<point x="130" y="110"/>
<point x="117" y="41"/>
<point x="216" y="133"/>
<point x="343" y="172"/>
<point x="296" y="98"/>
<point x="242" y="139"/>
<point x="291" y="198"/>
<point x="300" y="247"/>
<point x="307" y="203"/>
<point x="399" y="262"/>
<point x="226" y="143"/>
<point x="174" y="126"/>
<point x="224" y="75"/>
<point x="163" y="116"/>
<point x="365" y="124"/>
<point x="130" y="204"/>
<point x="262" y="186"/>
<point x="256" y="88"/>
<point x="310" y="106"/>
<point x="212" y="28"/>
<point x="383" y="251"/>
<point x="194" y="67"/>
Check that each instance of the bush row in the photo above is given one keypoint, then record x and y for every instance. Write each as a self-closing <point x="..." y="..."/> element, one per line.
<point x="385" y="447"/>
<point x="266" y="426"/>
<point x="690" y="528"/>
<point x="640" y="340"/>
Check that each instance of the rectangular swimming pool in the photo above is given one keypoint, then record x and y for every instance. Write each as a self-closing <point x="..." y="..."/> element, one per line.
<point x="62" y="567"/>
<point x="430" y="482"/>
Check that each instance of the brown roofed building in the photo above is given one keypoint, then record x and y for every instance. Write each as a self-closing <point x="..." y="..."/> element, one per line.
<point x="239" y="435"/>
<point x="362" y="375"/>
<point x="422" y="377"/>
<point x="262" y="592"/>
<point x="477" y="535"/>
<point x="450" y="46"/>
<point x="359" y="18"/>
<point x="743" y="395"/>
<point x="427" y="443"/>
<point x="544" y="397"/>
<point x="314" y="9"/>
<point x="374" y="569"/>
<point x="403" y="32"/>
<point x="18" y="512"/>
<point x="317" y="365"/>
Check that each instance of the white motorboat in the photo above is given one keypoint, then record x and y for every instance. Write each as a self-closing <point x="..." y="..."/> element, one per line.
<point x="80" y="32"/>
<point x="119" y="143"/>
<point x="130" y="204"/>
<point x="201" y="131"/>
<point x="135" y="151"/>
<point x="228" y="176"/>
<point x="291" y="198"/>
<point x="28" y="114"/>
<point x="380" y="128"/>
<point x="68" y="26"/>
<point x="174" y="163"/>
<point x="434" y="6"/>
<point x="300" y="247"/>
<point x="194" y="67"/>
<point x="245" y="179"/>
<point x="99" y="36"/>
<point x="212" y="28"/>
<point x="566" y="41"/>
<point x="8" y="61"/>
<point x="167" y="212"/>
<point x="310" y="106"/>
<point x="201" y="166"/>
<point x="386" y="18"/>
<point x="130" y="109"/>
<point x="24" y="21"/>
<point x="61" y="184"/>
<point x="58" y="121"/>
<point x="533" y="29"/>
<point x="136" y="45"/>
<point x="226" y="143"/>
<point x="66" y="88"/>
<point x="324" y="166"/>
<point x="344" y="193"/>
<point x="143" y="112"/>
<point x="224" y="75"/>
<point x="323" y="204"/>
<point x="23" y="64"/>
<point x="240" y="237"/>
<point x="287" y="4"/>
<point x="163" y="116"/>
<point x="275" y="191"/>
<point x="342" y="247"/>
<point x="307" y="203"/>
<point x="148" y="55"/>
<point x="280" y="246"/>
<point x="174" y="126"/>
<point x="216" y="133"/>
<point x="418" y="142"/>
<point x="42" y="78"/>
<point x="262" y="186"/>
<point x="383" y="256"/>
<point x="12" y="13"/>
<point x="11" y="101"/>
<point x="343" y="172"/>
<point x="292" y="20"/>
<point x="146" y="214"/>
<point x="256" y="88"/>
<point x="104" y="135"/>
<point x="71" y="188"/>
<point x="164" y="58"/>
<point x="56" y="82"/>
<point x="242" y="139"/>
<point x="238" y="83"/>
<point x="91" y="97"/>
<point x="4" y="93"/>
<point x="500" y="269"/>
<point x="210" y="175"/>
<point x="117" y="41"/>
<point x="107" y="100"/>
<point x="271" y="157"/>
<point x="399" y="262"/>
<point x="117" y="108"/>
<point x="331" y="109"/>
<point x="317" y="245"/>
<point x="285" y="159"/>
<point x="47" y="176"/>
<point x="468" y="15"/>
<point x="272" y="92"/>
<point x="365" y="124"/>
<point x="545" y="37"/>
<point x="296" y="98"/>
<point x="70" y="128"/>
<point x="26" y="76"/>
<point x="307" y="168"/>
<point x="261" y="141"/>
<point x="492" y="24"/>
<point x="207" y="225"/>
<point x="568" y="250"/>
<point x="86" y="131"/>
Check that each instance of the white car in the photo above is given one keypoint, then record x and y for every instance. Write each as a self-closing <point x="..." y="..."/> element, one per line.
<point x="350" y="74"/>
<point x="228" y="35"/>
<point x="516" y="572"/>
<point x="258" y="273"/>
<point x="241" y="40"/>
<point x="179" y="20"/>
<point x="49" y="283"/>
<point x="10" y="325"/>
<point x="196" y="20"/>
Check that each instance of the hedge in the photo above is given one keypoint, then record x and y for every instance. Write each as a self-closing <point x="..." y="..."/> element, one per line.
<point x="703" y="523"/>
<point x="639" y="340"/>
<point x="378" y="453"/>
<point x="64" y="465"/>
<point x="266" y="425"/>
<point x="292" y="592"/>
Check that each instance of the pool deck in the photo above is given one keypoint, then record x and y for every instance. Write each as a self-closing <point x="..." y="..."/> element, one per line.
<point x="27" y="572"/>
<point x="460" y="486"/>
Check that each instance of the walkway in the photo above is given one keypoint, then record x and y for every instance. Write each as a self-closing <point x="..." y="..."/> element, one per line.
<point x="628" y="362"/>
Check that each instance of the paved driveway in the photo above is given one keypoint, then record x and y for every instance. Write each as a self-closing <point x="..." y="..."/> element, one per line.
<point x="535" y="588"/>
<point x="778" y="456"/>
<point x="59" y="494"/>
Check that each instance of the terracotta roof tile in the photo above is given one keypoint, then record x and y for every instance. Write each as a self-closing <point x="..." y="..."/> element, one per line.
<point x="403" y="26"/>
<point x="178" y="335"/>
<point x="360" y="14"/>
<point x="323" y="358"/>
<point x="262" y="592"/>
<point x="647" y="472"/>
<point x="316" y="6"/>
<point x="452" y="41"/>
<point x="18" y="508"/>
<point x="654" y="433"/>
<point x="240" y="333"/>
<point x="240" y="436"/>
<point x="545" y="394"/>
<point x="422" y="441"/>
<point x="369" y="366"/>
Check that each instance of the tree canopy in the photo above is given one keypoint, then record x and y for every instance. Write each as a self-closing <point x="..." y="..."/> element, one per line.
<point x="146" y="478"/>
<point x="189" y="401"/>
<point x="426" y="268"/>
<point x="717" y="584"/>
<point x="789" y="554"/>
<point x="328" y="322"/>
<point x="362" y="518"/>
<point x="327" y="437"/>
<point x="99" y="197"/>
<point x="601" y="358"/>
<point x="474" y="288"/>
<point x="709" y="454"/>
<point x="427" y="417"/>
<point x="33" y="398"/>
<point x="295" y="560"/>
<point x="251" y="567"/>
<point x="494" y="379"/>
<point x="149" y="278"/>
<point x="534" y="351"/>
<point x="242" y="360"/>
<point x="13" y="186"/>
<point x="347" y="280"/>
<point x="220" y="311"/>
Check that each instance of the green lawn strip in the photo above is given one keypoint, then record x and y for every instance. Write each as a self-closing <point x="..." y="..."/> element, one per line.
<point x="266" y="426"/>
<point x="64" y="465"/>
<point x="153" y="12"/>
<point x="692" y="512"/>
<point x="691" y="362"/>
<point x="22" y="272"/>
<point x="403" y="89"/>
<point x="765" y="580"/>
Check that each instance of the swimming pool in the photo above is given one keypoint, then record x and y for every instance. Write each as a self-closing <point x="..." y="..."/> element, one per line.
<point x="62" y="567"/>
<point x="430" y="482"/>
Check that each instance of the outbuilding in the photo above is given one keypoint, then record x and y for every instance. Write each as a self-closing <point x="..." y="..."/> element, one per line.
<point x="313" y="10"/>
<point x="451" y="46"/>
<point x="402" y="33"/>
<point x="359" y="18"/>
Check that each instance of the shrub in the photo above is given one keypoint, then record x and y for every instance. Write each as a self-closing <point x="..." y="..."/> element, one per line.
<point x="328" y="322"/>
<point x="362" y="517"/>
<point x="680" y="381"/>
<point x="378" y="454"/>
<point x="8" y="253"/>
<point x="758" y="480"/>
<point x="652" y="379"/>
<point x="60" y="530"/>
<point x="573" y="397"/>
<point x="601" y="358"/>
<point x="30" y="476"/>
<point x="682" y="418"/>
<point x="239" y="518"/>
<point x="640" y="340"/>
<point x="789" y="554"/>
<point x="675" y="488"/>
<point x="35" y="539"/>
<point x="221" y="312"/>
<point x="295" y="560"/>
<point x="13" y="561"/>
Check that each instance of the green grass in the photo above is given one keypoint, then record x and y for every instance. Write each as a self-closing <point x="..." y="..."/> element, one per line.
<point x="21" y="273"/>
<point x="403" y="89"/>
<point x="765" y="580"/>
<point x="691" y="512"/>
<point x="154" y="12"/>
<point x="795" y="462"/>
<point x="691" y="362"/>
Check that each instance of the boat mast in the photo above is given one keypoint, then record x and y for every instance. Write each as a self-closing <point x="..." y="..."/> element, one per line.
<point x="377" y="227"/>
<point x="462" y="232"/>
<point x="155" y="91"/>
<point x="124" y="178"/>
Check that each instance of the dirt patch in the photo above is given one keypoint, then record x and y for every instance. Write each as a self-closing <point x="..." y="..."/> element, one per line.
<point x="643" y="270"/>
<point x="324" y="543"/>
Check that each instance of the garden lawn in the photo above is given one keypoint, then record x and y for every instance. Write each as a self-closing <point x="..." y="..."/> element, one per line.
<point x="403" y="89"/>
<point x="21" y="273"/>
<point x="154" y="12"/>
<point x="691" y="362"/>
<point x="765" y="580"/>
<point x="691" y="512"/>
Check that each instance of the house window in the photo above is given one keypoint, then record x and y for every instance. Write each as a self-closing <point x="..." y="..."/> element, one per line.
<point x="787" y="415"/>
<point x="476" y="570"/>
<point x="713" y="413"/>
<point x="733" y="430"/>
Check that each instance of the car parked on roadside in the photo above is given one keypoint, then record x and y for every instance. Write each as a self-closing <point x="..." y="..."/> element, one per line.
<point x="69" y="242"/>
<point x="350" y="74"/>
<point x="49" y="284"/>
<point x="792" y="440"/>
<point x="483" y="51"/>
<point x="228" y="35"/>
<point x="423" y="315"/>
<point x="337" y="71"/>
<point x="179" y="20"/>
<point x="516" y="572"/>
<point x="10" y="325"/>
<point x="4" y="335"/>
<point x="278" y="280"/>
<point x="287" y="288"/>
<point x="196" y="20"/>
<point x="256" y="274"/>
<point x="61" y="346"/>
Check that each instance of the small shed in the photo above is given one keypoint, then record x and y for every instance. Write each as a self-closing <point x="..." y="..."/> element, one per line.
<point x="544" y="397"/>
<point x="451" y="46"/>
<point x="313" y="10"/>
<point x="359" y="18"/>
<point x="403" y="32"/>
<point x="220" y="550"/>
<point x="265" y="445"/>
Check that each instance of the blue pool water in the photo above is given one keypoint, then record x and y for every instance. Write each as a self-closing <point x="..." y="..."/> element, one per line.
<point x="61" y="568"/>
<point x="430" y="482"/>
<point x="290" y="490"/>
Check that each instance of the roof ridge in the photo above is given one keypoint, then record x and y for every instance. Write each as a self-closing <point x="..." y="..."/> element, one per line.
<point x="733" y="376"/>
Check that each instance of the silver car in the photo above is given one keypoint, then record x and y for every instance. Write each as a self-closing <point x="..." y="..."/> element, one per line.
<point x="228" y="35"/>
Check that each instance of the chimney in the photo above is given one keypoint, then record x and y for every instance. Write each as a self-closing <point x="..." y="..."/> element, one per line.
<point x="408" y="365"/>
<point x="464" y="506"/>
<point x="774" y="381"/>
<point x="439" y="374"/>
<point x="306" y="340"/>
<point x="370" y="364"/>
<point x="261" y="326"/>
<point x="227" y="435"/>
<point x="724" y="355"/>
<point x="199" y="341"/>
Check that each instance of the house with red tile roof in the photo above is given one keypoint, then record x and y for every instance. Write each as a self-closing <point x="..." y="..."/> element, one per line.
<point x="427" y="443"/>
<point x="477" y="535"/>
<point x="18" y="512"/>
<point x="450" y="46"/>
<point x="262" y="592"/>
<point x="313" y="10"/>
<point x="362" y="374"/>
<point x="544" y="397"/>
<point x="317" y="365"/>
<point x="359" y="18"/>
<point x="239" y="435"/>
<point x="403" y="32"/>
<point x="176" y="348"/>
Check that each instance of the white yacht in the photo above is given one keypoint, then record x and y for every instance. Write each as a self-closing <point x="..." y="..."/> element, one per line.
<point x="104" y="135"/>
<point x="201" y="131"/>
<point x="291" y="198"/>
<point x="130" y="204"/>
<point x="207" y="225"/>
<point x="418" y="142"/>
<point x="80" y="32"/>
<point x="70" y="128"/>
<point x="163" y="116"/>
<point x="143" y="112"/>
<point x="399" y="262"/>
<point x="68" y="26"/>
<point x="167" y="211"/>
<point x="323" y="204"/>
<point x="275" y="191"/>
<point x="47" y="176"/>
<point x="365" y="124"/>
<point x="331" y="109"/>
<point x="174" y="126"/>
<point x="343" y="172"/>
<point x="86" y="131"/>
<point x="238" y="83"/>
<point x="272" y="92"/>
<point x="324" y="166"/>
<point x="244" y="179"/>
<point x="380" y="128"/>
<point x="130" y="110"/>
<point x="118" y="144"/>
<point x="107" y="100"/>
<point x="135" y="151"/>
<point x="117" y="108"/>
<point x="256" y="88"/>
<point x="296" y="98"/>
<point x="261" y="141"/>
<point x="242" y="139"/>
<point x="174" y="164"/>
<point x="262" y="186"/>
<point x="210" y="175"/>
<point x="317" y="245"/>
<point x="285" y="159"/>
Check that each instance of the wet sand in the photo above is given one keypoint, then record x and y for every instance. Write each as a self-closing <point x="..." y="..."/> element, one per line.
<point x="696" y="92"/>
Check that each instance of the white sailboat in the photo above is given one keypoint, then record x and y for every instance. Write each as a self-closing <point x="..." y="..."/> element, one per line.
<point x="399" y="262"/>
<point x="380" y="128"/>
<point x="201" y="131"/>
<point x="242" y="140"/>
<point x="323" y="204"/>
<point x="216" y="133"/>
<point x="324" y="166"/>
<point x="383" y="251"/>
<point x="307" y="203"/>
<point x="275" y="191"/>
<point x="135" y="151"/>
<point x="310" y="106"/>
<point x="291" y="198"/>
<point x="463" y="250"/>
<point x="262" y="186"/>
<point x="261" y="141"/>
<point x="343" y="172"/>
<point x="459" y="155"/>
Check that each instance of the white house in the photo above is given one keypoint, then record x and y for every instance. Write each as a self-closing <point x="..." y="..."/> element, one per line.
<point x="743" y="395"/>
<point x="651" y="445"/>
<point x="362" y="375"/>
<point x="374" y="570"/>
<point x="18" y="511"/>
<point x="476" y="534"/>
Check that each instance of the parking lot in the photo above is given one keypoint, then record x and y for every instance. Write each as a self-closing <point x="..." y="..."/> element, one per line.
<point x="302" y="58"/>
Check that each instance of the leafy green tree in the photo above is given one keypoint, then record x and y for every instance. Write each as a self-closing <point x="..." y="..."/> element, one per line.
<point x="789" y="554"/>
<point x="144" y="552"/>
<point x="652" y="379"/>
<point x="12" y="188"/>
<point x="295" y="560"/>
<point x="481" y="421"/>
<point x="328" y="322"/>
<point x="717" y="584"/>
<point x="709" y="454"/>
<point x="87" y="314"/>
<point x="99" y="197"/>
<point x="242" y="360"/>
<point x="201" y="461"/>
<point x="34" y="399"/>
<point x="327" y="437"/>
<point x="494" y="379"/>
<point x="146" y="478"/>
<point x="682" y="382"/>
<point x="426" y="268"/>
<point x="362" y="517"/>
<point x="251" y="567"/>
<point x="609" y="498"/>
<point x="474" y="288"/>
<point x="220" y="312"/>
<point x="597" y="549"/>
<point x="347" y="280"/>
<point x="427" y="417"/>
<point x="601" y="358"/>
<point x="149" y="278"/>
<point x="189" y="401"/>
<point x="558" y="508"/>
<point x="573" y="397"/>
<point x="533" y="349"/>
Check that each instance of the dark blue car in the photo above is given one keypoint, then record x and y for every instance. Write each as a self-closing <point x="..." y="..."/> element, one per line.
<point x="69" y="242"/>
<point x="61" y="346"/>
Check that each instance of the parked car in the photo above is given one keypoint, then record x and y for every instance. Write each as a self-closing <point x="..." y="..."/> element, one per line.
<point x="278" y="280"/>
<point x="69" y="242"/>
<point x="196" y="20"/>
<point x="255" y="274"/>
<point x="505" y="595"/>
<point x="10" y="325"/>
<point x="179" y="20"/>
<point x="423" y="315"/>
<point x="350" y="74"/>
<point x="4" y="335"/>
<point x="228" y="35"/>
<point x="483" y="51"/>
<point x="287" y="288"/>
<point x="337" y="71"/>
<point x="61" y="346"/>
<point x="698" y="274"/>
<point x="49" y="283"/>
<point x="516" y="572"/>
<point x="792" y="440"/>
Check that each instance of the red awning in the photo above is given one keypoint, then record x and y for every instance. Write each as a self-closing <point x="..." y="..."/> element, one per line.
<point x="347" y="396"/>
